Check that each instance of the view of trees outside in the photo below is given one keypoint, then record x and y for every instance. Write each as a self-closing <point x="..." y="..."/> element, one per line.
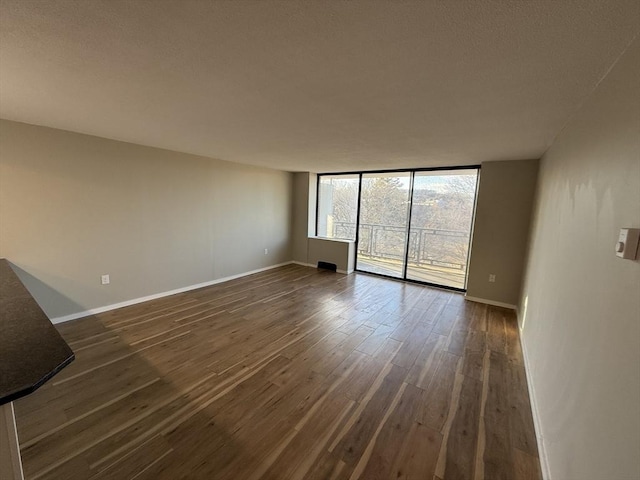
<point x="338" y="206"/>
<point x="384" y="214"/>
<point x="441" y="216"/>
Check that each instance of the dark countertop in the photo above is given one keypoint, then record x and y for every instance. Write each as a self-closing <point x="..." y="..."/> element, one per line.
<point x="31" y="349"/>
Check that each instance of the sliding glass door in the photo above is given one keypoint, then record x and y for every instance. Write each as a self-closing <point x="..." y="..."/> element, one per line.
<point x="441" y="219"/>
<point x="413" y="225"/>
<point x="384" y="222"/>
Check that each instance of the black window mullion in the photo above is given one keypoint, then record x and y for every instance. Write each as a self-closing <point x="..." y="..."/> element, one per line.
<point x="406" y="243"/>
<point x="355" y="266"/>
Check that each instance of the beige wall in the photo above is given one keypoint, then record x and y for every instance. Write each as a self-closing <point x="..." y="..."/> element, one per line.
<point x="501" y="230"/>
<point x="303" y="213"/>
<point x="300" y="216"/>
<point x="580" y="311"/>
<point x="73" y="207"/>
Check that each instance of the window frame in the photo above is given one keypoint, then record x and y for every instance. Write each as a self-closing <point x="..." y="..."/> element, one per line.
<point x="412" y="172"/>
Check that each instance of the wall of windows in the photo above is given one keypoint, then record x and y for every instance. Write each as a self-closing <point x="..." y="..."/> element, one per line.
<point x="414" y="225"/>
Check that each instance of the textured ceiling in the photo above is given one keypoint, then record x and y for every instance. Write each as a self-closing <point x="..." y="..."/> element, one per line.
<point x="319" y="86"/>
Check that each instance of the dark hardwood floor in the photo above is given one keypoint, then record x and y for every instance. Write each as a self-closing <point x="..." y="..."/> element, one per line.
<point x="288" y="374"/>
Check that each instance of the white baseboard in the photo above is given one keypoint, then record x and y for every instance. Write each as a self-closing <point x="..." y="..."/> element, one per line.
<point x="491" y="302"/>
<point x="303" y="264"/>
<point x="542" y="453"/>
<point x="106" y="308"/>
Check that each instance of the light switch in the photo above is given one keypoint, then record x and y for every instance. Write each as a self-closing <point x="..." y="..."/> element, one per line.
<point x="627" y="246"/>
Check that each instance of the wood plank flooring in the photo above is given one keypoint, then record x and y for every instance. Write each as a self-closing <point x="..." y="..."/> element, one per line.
<point x="292" y="373"/>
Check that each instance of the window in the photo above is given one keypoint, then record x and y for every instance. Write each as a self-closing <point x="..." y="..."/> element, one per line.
<point x="411" y="224"/>
<point x="337" y="206"/>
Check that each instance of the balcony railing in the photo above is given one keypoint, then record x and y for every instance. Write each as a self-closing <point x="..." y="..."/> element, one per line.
<point x="427" y="246"/>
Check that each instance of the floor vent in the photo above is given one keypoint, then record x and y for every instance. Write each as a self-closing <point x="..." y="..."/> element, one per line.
<point x="327" y="266"/>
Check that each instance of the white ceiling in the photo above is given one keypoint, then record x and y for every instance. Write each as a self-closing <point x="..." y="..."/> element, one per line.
<point x="318" y="86"/>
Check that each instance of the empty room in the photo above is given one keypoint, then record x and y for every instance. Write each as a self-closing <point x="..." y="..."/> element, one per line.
<point x="319" y="240"/>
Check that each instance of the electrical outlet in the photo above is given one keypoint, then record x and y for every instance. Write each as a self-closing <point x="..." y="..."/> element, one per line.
<point x="492" y="278"/>
<point x="105" y="280"/>
<point x="266" y="251"/>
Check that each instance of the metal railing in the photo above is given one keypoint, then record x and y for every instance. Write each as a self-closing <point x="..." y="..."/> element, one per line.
<point x="427" y="246"/>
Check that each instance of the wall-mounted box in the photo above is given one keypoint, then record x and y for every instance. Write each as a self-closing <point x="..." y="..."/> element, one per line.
<point x="627" y="246"/>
